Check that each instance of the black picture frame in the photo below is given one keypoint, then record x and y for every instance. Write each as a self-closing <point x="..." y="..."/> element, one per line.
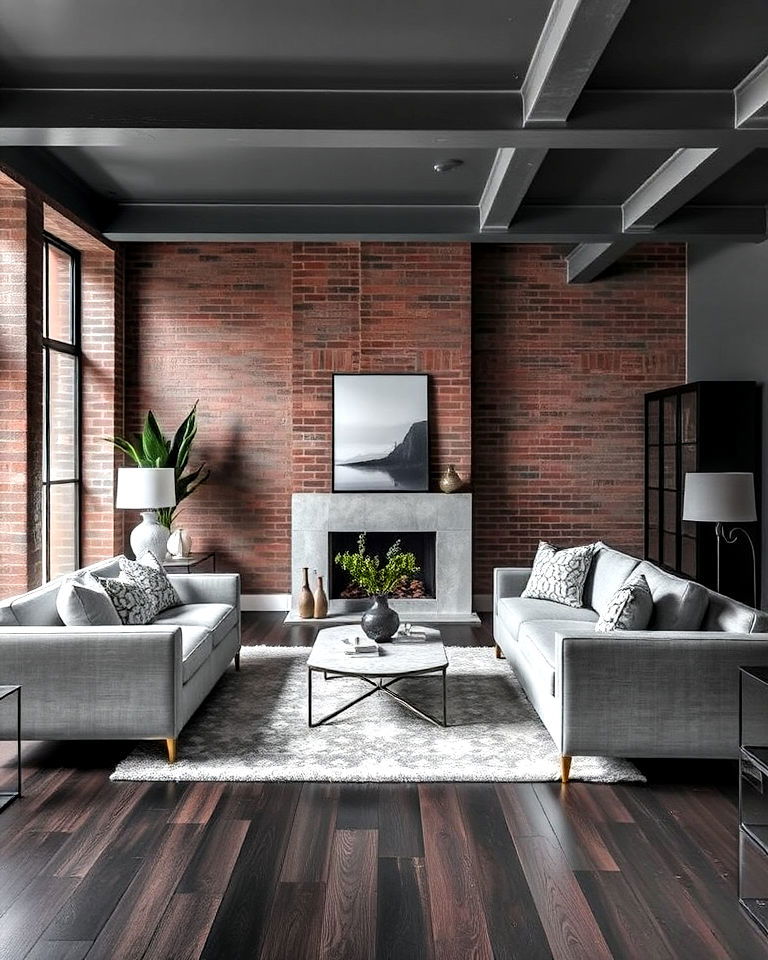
<point x="407" y="432"/>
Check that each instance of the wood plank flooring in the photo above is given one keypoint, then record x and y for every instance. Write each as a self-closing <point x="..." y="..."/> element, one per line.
<point x="91" y="869"/>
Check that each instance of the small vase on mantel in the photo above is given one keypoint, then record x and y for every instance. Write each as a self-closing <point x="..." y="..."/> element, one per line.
<point x="451" y="482"/>
<point x="321" y="601"/>
<point x="306" y="604"/>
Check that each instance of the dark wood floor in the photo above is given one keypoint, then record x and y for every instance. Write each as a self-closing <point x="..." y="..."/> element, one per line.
<point x="297" y="871"/>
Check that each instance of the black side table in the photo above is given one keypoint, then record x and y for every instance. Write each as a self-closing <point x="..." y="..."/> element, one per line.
<point x="7" y="797"/>
<point x="187" y="564"/>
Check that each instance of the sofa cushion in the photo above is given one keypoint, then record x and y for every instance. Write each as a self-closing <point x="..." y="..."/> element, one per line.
<point x="559" y="575"/>
<point x="83" y="602"/>
<point x="516" y="610"/>
<point x="38" y="607"/>
<point x="219" y="618"/>
<point x="677" y="604"/>
<point x="537" y="643"/>
<point x="630" y="608"/>
<point x="147" y="573"/>
<point x="196" y="647"/>
<point x="133" y="604"/>
<point x="732" y="616"/>
<point x="610" y="569"/>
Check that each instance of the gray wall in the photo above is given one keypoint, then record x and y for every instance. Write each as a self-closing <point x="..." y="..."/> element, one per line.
<point x="728" y="327"/>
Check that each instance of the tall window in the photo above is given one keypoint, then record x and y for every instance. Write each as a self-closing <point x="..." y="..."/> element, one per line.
<point x="61" y="409"/>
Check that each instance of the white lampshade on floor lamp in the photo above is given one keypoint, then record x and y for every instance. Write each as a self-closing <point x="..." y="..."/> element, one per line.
<point x="147" y="489"/>
<point x="723" y="498"/>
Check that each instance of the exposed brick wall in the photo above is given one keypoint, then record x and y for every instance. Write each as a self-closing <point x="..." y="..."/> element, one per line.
<point x="559" y="374"/>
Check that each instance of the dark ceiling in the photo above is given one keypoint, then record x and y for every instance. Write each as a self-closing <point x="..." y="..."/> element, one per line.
<point x="589" y="122"/>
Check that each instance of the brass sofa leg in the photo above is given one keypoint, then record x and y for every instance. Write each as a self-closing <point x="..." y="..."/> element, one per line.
<point x="565" y="768"/>
<point x="170" y="744"/>
<point x="499" y="654"/>
<point x="237" y="660"/>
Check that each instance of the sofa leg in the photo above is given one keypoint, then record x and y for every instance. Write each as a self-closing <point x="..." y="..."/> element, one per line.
<point x="170" y="744"/>
<point x="499" y="654"/>
<point x="565" y="768"/>
<point x="237" y="660"/>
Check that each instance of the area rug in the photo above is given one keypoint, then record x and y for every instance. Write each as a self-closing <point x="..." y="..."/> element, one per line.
<point x="253" y="726"/>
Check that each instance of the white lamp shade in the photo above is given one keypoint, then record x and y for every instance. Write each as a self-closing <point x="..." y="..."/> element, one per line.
<point x="719" y="497"/>
<point x="145" y="488"/>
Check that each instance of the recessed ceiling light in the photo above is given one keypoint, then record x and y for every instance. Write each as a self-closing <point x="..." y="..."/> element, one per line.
<point x="443" y="166"/>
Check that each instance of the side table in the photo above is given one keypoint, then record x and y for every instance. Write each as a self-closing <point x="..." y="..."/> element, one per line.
<point x="7" y="797"/>
<point x="186" y="564"/>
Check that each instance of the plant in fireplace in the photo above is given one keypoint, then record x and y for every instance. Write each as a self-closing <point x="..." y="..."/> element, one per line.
<point x="379" y="580"/>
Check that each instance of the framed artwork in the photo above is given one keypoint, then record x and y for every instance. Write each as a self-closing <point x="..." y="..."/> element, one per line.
<point x="380" y="432"/>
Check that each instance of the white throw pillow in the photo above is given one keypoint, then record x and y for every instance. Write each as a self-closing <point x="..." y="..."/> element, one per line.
<point x="147" y="572"/>
<point x="83" y="602"/>
<point x="560" y="575"/>
<point x="630" y="608"/>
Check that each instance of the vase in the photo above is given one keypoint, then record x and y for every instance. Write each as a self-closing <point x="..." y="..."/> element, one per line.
<point x="380" y="622"/>
<point x="179" y="543"/>
<point x="321" y="601"/>
<point x="450" y="481"/>
<point x="306" y="604"/>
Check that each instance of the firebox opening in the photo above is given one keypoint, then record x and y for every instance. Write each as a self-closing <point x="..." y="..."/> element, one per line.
<point x="420" y="586"/>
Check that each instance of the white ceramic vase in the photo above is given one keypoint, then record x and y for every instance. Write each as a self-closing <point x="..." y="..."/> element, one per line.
<point x="149" y="535"/>
<point x="179" y="543"/>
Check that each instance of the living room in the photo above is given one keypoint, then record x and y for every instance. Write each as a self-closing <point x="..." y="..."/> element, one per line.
<point x="382" y="532"/>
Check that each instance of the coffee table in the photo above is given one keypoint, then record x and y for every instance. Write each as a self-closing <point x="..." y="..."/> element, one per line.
<point x="396" y="662"/>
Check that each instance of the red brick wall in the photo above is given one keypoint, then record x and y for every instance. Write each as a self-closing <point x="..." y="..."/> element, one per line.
<point x="559" y="374"/>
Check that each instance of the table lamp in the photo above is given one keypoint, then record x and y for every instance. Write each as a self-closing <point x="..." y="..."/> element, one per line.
<point x="147" y="489"/>
<point x="723" y="498"/>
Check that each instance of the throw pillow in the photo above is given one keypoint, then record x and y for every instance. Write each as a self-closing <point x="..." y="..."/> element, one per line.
<point x="133" y="604"/>
<point x="559" y="575"/>
<point x="83" y="602"/>
<point x="630" y="608"/>
<point x="148" y="573"/>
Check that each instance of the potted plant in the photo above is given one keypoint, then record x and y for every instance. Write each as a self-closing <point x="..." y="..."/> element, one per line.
<point x="378" y="580"/>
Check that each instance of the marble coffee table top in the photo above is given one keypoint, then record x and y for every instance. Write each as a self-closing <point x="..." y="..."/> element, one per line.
<point x="395" y="658"/>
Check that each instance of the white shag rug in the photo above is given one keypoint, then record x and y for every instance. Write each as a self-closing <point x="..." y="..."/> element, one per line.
<point x="253" y="726"/>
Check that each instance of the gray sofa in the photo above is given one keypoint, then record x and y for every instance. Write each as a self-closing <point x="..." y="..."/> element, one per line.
<point x="668" y="691"/>
<point x="125" y="682"/>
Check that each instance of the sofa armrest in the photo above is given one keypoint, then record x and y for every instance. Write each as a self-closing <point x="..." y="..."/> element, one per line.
<point x="95" y="682"/>
<point x="652" y="693"/>
<point x="509" y="582"/>
<point x="208" y="588"/>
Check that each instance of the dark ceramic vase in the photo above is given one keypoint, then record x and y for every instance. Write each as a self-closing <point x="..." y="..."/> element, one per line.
<point x="380" y="622"/>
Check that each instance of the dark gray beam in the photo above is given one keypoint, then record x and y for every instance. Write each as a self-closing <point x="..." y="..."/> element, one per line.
<point x="589" y="260"/>
<point x="751" y="97"/>
<point x="184" y="120"/>
<point x="533" y="224"/>
<point x="512" y="172"/>
<point x="574" y="37"/>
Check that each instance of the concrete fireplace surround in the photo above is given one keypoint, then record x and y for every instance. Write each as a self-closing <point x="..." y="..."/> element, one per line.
<point x="315" y="515"/>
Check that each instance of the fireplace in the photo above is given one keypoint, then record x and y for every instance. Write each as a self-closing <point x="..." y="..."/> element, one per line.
<point x="420" y="586"/>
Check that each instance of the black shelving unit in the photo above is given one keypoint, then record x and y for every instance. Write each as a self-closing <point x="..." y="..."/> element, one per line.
<point x="699" y="427"/>
<point x="753" y="793"/>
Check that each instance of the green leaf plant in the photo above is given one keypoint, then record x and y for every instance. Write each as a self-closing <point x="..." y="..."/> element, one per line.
<point x="152" y="449"/>
<point x="368" y="572"/>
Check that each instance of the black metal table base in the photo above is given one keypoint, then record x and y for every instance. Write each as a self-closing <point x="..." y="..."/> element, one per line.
<point x="380" y="687"/>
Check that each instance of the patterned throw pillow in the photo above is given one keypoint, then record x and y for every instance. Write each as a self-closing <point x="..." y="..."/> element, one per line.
<point x="147" y="572"/>
<point x="133" y="604"/>
<point x="630" y="608"/>
<point x="559" y="575"/>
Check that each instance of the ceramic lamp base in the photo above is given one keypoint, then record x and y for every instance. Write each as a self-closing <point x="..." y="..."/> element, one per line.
<point x="149" y="535"/>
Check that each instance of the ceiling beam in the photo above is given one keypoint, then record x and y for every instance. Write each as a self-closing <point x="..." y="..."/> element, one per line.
<point x="439" y="120"/>
<point x="751" y="97"/>
<point x="574" y="37"/>
<point x="534" y="224"/>
<point x="589" y="260"/>
<point x="511" y="174"/>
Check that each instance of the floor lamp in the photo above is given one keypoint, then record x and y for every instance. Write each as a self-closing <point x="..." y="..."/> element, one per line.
<point x="723" y="498"/>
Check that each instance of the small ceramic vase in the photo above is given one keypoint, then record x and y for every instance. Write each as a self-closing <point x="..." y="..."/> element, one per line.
<point x="450" y="481"/>
<point x="306" y="604"/>
<point x="179" y="543"/>
<point x="321" y="601"/>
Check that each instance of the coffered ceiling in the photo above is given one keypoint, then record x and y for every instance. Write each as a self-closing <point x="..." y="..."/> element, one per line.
<point x="596" y="123"/>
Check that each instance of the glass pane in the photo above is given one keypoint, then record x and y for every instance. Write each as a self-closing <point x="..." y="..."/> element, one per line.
<point x="688" y="417"/>
<point x="653" y="467"/>
<point x="670" y="467"/>
<point x="653" y="545"/>
<point x="670" y="511"/>
<point x="670" y="550"/>
<point x="59" y="306"/>
<point x="62" y="529"/>
<point x="653" y="509"/>
<point x="670" y="411"/>
<point x="62" y="414"/>
<point x="688" y="453"/>
<point x="688" y="559"/>
<point x="653" y="421"/>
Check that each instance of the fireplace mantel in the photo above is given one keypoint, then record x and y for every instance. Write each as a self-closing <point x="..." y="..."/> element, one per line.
<point x="315" y="515"/>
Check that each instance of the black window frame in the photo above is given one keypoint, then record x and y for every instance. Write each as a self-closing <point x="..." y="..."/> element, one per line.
<point x="73" y="349"/>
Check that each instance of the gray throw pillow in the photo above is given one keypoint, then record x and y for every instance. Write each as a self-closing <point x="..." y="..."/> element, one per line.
<point x="630" y="608"/>
<point x="147" y="572"/>
<point x="133" y="604"/>
<point x="559" y="575"/>
<point x="83" y="602"/>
